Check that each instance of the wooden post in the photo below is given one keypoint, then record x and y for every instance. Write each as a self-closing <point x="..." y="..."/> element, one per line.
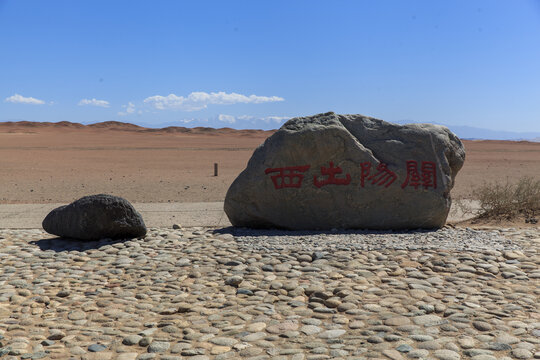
<point x="215" y="169"/>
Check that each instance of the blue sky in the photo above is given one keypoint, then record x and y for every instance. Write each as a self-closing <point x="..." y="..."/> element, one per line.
<point x="253" y="64"/>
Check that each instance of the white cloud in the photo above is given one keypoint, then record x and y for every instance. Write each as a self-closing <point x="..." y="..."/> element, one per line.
<point x="200" y="100"/>
<point x="276" y="119"/>
<point x="266" y="119"/>
<point x="94" y="102"/>
<point x="187" y="121"/>
<point x="19" y="99"/>
<point x="247" y="121"/>
<point x="130" y="109"/>
<point x="226" y="118"/>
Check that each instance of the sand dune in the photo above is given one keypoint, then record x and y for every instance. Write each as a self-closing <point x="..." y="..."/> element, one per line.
<point x="59" y="162"/>
<point x="25" y="126"/>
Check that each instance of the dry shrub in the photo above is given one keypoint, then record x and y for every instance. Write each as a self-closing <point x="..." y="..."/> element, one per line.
<point x="507" y="201"/>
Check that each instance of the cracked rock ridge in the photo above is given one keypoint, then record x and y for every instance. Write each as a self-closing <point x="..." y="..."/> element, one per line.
<point x="348" y="171"/>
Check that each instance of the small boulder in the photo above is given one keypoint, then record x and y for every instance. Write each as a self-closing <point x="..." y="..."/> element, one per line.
<point x="348" y="171"/>
<point x="95" y="217"/>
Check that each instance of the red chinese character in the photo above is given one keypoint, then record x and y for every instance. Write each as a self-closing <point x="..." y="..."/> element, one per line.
<point x="331" y="173"/>
<point x="287" y="177"/>
<point x="364" y="171"/>
<point x="383" y="176"/>
<point x="427" y="179"/>
<point x="413" y="179"/>
<point x="429" y="174"/>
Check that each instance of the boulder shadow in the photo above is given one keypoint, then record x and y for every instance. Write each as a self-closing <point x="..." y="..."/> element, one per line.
<point x="61" y="244"/>
<point x="242" y="231"/>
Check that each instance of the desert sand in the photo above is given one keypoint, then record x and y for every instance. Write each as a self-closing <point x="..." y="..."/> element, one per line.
<point x="60" y="162"/>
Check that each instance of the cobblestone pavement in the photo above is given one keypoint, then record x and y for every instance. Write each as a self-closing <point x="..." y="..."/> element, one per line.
<point x="198" y="294"/>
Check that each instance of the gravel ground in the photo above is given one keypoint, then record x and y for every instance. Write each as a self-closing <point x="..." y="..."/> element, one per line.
<point x="444" y="239"/>
<point x="199" y="293"/>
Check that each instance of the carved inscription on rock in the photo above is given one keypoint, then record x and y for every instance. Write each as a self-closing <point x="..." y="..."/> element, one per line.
<point x="292" y="176"/>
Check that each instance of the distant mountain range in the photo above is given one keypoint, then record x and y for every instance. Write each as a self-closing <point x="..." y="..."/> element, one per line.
<point x="474" y="133"/>
<point x="463" y="132"/>
<point x="468" y="132"/>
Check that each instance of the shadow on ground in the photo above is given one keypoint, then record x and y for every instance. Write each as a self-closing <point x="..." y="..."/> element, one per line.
<point x="242" y="231"/>
<point x="59" y="244"/>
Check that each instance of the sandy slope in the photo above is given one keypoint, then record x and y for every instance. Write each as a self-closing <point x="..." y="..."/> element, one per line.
<point x="44" y="162"/>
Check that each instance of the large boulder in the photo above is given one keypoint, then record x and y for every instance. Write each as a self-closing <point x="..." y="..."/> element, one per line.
<point x="348" y="171"/>
<point x="96" y="217"/>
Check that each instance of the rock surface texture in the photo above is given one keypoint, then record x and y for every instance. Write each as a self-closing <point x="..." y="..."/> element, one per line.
<point x="348" y="171"/>
<point x="95" y="217"/>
